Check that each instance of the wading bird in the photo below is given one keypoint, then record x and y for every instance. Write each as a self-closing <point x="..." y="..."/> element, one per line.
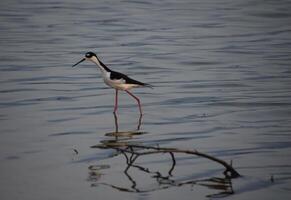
<point x="114" y="79"/>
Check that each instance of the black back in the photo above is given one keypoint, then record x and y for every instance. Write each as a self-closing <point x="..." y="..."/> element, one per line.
<point x="117" y="76"/>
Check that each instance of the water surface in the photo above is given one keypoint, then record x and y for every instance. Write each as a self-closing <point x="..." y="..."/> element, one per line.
<point x="222" y="76"/>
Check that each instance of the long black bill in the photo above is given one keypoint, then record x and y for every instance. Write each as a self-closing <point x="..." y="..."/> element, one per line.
<point x="79" y="62"/>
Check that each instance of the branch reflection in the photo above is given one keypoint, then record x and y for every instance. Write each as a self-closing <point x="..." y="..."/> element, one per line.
<point x="131" y="151"/>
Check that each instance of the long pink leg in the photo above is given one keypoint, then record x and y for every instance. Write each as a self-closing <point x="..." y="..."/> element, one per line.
<point x="137" y="99"/>
<point x="116" y="123"/>
<point x="116" y="101"/>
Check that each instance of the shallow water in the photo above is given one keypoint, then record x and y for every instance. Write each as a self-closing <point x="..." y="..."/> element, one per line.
<point x="222" y="76"/>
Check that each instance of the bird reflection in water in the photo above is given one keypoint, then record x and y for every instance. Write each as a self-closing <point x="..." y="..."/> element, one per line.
<point x="122" y="137"/>
<point x="117" y="133"/>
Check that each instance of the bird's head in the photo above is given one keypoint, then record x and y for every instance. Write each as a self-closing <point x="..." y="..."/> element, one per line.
<point x="88" y="56"/>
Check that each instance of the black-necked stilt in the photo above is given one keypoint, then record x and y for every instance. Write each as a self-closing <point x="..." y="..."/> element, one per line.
<point x="116" y="80"/>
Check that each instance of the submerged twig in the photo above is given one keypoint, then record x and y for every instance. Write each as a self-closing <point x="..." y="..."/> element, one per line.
<point x="135" y="149"/>
<point x="132" y="152"/>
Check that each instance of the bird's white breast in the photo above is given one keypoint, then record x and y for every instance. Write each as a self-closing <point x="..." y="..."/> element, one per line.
<point x="117" y="83"/>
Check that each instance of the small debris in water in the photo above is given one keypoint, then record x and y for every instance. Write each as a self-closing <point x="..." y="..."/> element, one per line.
<point x="76" y="151"/>
<point x="272" y="179"/>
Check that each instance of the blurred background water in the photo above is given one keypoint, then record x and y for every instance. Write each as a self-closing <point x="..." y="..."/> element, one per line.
<point x="222" y="77"/>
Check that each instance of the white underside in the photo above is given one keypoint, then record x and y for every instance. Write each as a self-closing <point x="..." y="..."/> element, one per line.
<point x="119" y="84"/>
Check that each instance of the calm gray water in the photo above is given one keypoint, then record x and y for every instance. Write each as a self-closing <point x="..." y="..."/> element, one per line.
<point x="222" y="77"/>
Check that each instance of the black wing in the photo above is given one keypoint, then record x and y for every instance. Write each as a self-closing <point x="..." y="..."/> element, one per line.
<point x="117" y="76"/>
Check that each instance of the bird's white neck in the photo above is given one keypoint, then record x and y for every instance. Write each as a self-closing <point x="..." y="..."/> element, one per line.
<point x="101" y="66"/>
<point x="97" y="62"/>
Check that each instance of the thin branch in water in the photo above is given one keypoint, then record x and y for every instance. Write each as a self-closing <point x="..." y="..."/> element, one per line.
<point x="173" y="163"/>
<point x="130" y="148"/>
